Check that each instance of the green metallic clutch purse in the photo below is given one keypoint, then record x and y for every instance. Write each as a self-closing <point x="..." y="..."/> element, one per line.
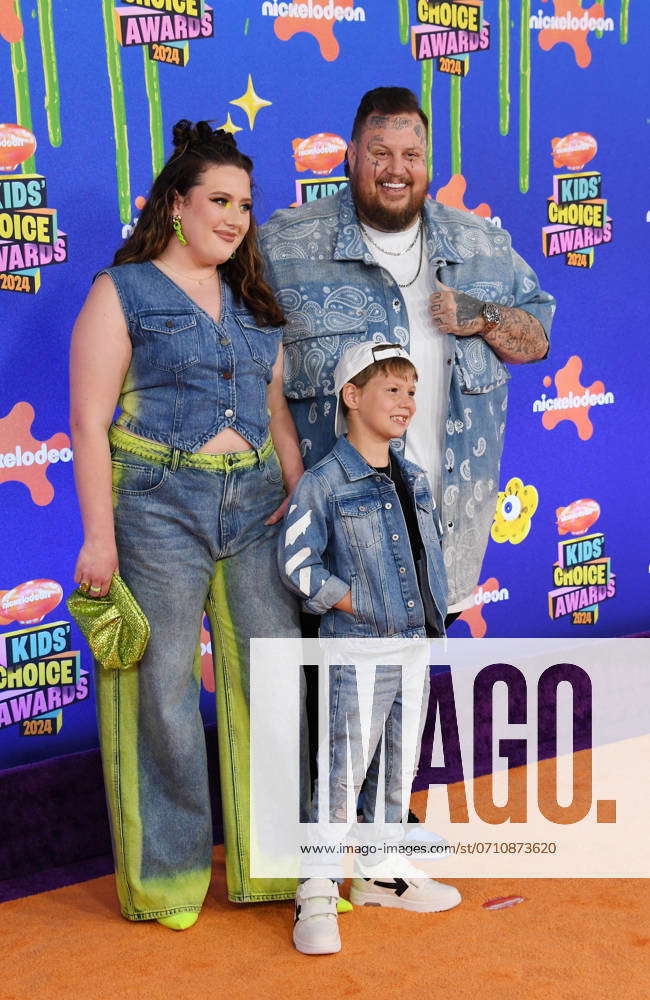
<point x="114" y="626"/>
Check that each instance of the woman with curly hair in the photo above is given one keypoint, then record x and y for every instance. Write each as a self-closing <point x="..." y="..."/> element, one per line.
<point x="182" y="496"/>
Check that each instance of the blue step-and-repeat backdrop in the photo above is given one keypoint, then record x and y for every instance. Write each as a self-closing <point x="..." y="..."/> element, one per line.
<point x="538" y="123"/>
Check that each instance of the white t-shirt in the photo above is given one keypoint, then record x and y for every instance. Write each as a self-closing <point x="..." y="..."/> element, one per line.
<point x="429" y="349"/>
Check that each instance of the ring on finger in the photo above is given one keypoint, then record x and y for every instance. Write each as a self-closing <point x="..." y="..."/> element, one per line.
<point x="83" y="587"/>
<point x="95" y="590"/>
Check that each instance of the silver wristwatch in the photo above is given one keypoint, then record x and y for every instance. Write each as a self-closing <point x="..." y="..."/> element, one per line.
<point x="492" y="316"/>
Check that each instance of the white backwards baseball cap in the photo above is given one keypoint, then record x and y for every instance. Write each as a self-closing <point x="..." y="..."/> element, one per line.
<point x="354" y="360"/>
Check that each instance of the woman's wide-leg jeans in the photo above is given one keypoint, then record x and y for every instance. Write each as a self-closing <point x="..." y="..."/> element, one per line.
<point x="190" y="537"/>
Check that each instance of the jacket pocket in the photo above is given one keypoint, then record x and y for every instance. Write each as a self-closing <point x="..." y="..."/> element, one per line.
<point x="263" y="343"/>
<point x="478" y="367"/>
<point x="309" y="361"/>
<point x="361" y="520"/>
<point x="171" y="338"/>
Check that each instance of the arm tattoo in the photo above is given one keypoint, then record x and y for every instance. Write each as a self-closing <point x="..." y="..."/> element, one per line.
<point x="518" y="338"/>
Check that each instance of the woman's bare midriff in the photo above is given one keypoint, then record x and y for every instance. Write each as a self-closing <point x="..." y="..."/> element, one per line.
<point x="221" y="444"/>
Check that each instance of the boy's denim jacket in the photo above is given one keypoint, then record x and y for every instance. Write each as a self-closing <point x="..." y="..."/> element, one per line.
<point x="344" y="530"/>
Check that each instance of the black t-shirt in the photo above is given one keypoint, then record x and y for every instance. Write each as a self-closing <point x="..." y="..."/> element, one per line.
<point x="408" y="511"/>
<point x="417" y="548"/>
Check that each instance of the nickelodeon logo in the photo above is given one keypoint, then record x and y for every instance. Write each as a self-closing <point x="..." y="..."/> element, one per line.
<point x="19" y="457"/>
<point x="25" y="460"/>
<point x="316" y="11"/>
<point x="569" y="22"/>
<point x="572" y="400"/>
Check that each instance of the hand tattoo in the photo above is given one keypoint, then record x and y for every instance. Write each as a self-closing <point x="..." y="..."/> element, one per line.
<point x="467" y="308"/>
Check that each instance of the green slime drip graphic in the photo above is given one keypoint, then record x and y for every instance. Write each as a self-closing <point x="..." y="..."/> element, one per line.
<point x="624" y="22"/>
<point x="155" y="113"/>
<point x="454" y="123"/>
<point x="504" y="66"/>
<point x="21" y="88"/>
<point x="426" y="86"/>
<point x="403" y="10"/>
<point x="119" y="112"/>
<point x="50" y="72"/>
<point x="524" y="97"/>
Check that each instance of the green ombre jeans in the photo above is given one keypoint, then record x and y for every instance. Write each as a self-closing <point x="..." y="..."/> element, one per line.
<point x="191" y="536"/>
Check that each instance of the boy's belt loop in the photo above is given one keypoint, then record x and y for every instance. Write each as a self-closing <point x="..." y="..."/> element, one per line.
<point x="175" y="459"/>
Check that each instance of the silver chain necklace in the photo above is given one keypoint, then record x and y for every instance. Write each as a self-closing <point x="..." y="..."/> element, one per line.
<point x="407" y="284"/>
<point x="392" y="253"/>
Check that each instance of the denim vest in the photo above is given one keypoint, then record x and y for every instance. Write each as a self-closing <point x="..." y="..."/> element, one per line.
<point x="335" y="294"/>
<point x="345" y="530"/>
<point x="191" y="377"/>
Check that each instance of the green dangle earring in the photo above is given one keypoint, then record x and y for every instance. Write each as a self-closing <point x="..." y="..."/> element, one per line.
<point x="178" y="229"/>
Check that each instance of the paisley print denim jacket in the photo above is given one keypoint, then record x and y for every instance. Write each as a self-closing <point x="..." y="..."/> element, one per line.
<point x="335" y="294"/>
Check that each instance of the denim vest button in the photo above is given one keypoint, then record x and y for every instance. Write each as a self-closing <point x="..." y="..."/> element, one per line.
<point x="396" y="304"/>
<point x="169" y="324"/>
<point x="224" y="341"/>
<point x="362" y="506"/>
<point x="227" y="375"/>
<point x="410" y="604"/>
<point x="228" y="413"/>
<point x="377" y="479"/>
<point x="388" y="506"/>
<point x="395" y="538"/>
<point x="450" y="524"/>
<point x="402" y="570"/>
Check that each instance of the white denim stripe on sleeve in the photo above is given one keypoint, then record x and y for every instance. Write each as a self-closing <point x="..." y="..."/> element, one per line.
<point x="298" y="528"/>
<point x="296" y="560"/>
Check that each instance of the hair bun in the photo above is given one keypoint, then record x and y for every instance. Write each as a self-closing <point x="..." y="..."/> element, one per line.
<point x="182" y="133"/>
<point x="186" y="134"/>
<point x="203" y="132"/>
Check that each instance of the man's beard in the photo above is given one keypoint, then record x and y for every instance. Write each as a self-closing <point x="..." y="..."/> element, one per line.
<point x="385" y="217"/>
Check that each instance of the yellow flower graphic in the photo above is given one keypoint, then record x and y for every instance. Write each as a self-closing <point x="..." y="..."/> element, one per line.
<point x="515" y="508"/>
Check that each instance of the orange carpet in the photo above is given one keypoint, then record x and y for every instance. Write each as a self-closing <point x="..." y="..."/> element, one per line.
<point x="586" y="939"/>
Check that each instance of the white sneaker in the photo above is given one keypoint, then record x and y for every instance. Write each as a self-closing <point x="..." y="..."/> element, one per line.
<point x="423" y="895"/>
<point x="315" y="931"/>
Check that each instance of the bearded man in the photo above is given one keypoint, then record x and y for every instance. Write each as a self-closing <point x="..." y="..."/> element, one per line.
<point x="381" y="261"/>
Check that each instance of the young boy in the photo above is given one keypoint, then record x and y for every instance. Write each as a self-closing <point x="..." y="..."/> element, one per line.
<point x="360" y="545"/>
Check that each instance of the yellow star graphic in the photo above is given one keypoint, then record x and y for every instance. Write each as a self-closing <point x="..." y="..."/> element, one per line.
<point x="251" y="102"/>
<point x="230" y="126"/>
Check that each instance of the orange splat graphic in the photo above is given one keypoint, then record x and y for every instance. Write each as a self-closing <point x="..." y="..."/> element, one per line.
<point x="207" y="668"/>
<point x="15" y="432"/>
<point x="473" y="616"/>
<point x="322" y="30"/>
<point x="567" y="380"/>
<point x="4" y="621"/>
<point x="11" y="27"/>
<point x="548" y="37"/>
<point x="453" y="195"/>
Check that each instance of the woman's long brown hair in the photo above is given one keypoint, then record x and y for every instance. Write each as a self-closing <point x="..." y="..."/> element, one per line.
<point x="195" y="149"/>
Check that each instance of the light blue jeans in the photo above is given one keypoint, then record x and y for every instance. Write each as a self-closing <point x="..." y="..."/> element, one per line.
<point x="191" y="536"/>
<point x="391" y="693"/>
